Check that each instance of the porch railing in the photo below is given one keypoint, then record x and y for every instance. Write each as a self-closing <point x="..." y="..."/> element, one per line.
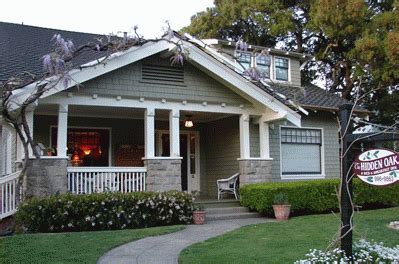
<point x="102" y="179"/>
<point x="8" y="197"/>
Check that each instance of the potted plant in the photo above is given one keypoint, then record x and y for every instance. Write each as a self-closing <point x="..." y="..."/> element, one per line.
<point x="50" y="151"/>
<point x="199" y="215"/>
<point x="281" y="207"/>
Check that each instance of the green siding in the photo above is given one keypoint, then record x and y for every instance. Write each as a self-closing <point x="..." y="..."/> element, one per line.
<point x="221" y="148"/>
<point x="127" y="82"/>
<point x="330" y="137"/>
<point x="295" y="72"/>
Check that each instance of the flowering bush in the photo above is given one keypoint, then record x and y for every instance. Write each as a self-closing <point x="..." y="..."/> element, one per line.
<point x="363" y="252"/>
<point x="104" y="211"/>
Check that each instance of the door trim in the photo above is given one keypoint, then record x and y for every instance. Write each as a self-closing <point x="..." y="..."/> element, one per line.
<point x="190" y="177"/>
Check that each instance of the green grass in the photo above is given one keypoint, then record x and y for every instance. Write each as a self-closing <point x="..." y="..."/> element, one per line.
<point x="78" y="247"/>
<point x="286" y="242"/>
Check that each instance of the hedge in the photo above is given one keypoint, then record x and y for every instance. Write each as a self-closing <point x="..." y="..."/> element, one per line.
<point x="104" y="211"/>
<point x="316" y="196"/>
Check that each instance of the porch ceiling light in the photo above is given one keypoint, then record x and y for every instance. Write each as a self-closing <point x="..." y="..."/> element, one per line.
<point x="188" y="122"/>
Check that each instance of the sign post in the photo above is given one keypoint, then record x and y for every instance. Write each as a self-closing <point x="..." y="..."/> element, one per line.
<point x="377" y="167"/>
<point x="346" y="181"/>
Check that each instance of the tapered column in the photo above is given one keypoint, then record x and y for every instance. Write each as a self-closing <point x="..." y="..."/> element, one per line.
<point x="244" y="137"/>
<point x="62" y="132"/>
<point x="149" y="132"/>
<point x="29" y="121"/>
<point x="264" y="139"/>
<point x="20" y="147"/>
<point x="174" y="131"/>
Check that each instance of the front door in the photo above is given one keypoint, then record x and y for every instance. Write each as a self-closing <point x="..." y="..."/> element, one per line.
<point x="189" y="151"/>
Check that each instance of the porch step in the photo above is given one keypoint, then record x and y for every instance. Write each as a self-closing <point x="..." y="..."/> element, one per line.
<point x="218" y="203"/>
<point x="226" y="210"/>
<point x="230" y="216"/>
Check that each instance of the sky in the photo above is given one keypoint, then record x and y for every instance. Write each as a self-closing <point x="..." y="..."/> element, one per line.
<point x="103" y="17"/>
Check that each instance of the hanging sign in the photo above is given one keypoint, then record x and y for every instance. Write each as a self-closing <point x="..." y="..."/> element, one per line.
<point x="378" y="167"/>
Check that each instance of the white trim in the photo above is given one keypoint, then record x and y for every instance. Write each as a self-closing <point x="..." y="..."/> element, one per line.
<point x="106" y="169"/>
<point x="88" y="127"/>
<point x="115" y="61"/>
<point x="156" y="104"/>
<point x="239" y="83"/>
<point x="322" y="175"/>
<point x="256" y="159"/>
<point x="197" y="175"/>
<point x="245" y="152"/>
<point x="149" y="133"/>
<point x="288" y="73"/>
<point x="162" y="158"/>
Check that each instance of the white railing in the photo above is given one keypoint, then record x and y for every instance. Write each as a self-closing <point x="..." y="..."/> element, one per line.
<point x="8" y="197"/>
<point x="101" y="179"/>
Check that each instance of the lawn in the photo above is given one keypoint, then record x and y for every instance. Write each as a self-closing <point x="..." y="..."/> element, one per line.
<point x="286" y="242"/>
<point x="78" y="247"/>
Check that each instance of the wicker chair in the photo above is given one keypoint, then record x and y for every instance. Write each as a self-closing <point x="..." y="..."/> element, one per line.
<point x="228" y="185"/>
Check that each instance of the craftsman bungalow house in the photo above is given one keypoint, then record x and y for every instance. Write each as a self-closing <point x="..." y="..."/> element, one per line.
<point x="137" y="122"/>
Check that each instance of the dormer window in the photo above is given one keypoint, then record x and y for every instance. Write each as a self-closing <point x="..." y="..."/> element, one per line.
<point x="281" y="66"/>
<point x="263" y="65"/>
<point x="244" y="60"/>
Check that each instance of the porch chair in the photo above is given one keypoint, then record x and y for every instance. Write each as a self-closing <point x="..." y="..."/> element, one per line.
<point x="228" y="185"/>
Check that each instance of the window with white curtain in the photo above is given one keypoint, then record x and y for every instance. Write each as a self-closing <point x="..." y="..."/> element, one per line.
<point x="301" y="151"/>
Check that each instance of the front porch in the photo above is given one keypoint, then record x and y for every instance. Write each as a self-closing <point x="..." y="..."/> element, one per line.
<point x="153" y="143"/>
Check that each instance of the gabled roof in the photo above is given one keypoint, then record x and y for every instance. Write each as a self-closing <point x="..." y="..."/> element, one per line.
<point x="22" y="48"/>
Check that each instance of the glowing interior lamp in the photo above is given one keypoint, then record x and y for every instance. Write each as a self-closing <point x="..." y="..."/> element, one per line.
<point x="75" y="157"/>
<point x="188" y="122"/>
<point x="87" y="151"/>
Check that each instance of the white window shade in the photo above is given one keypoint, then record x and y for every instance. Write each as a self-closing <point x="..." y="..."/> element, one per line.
<point x="300" y="159"/>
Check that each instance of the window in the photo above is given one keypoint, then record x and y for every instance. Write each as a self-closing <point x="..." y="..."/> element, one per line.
<point x="281" y="66"/>
<point x="263" y="65"/>
<point x="243" y="58"/>
<point x="301" y="151"/>
<point x="86" y="146"/>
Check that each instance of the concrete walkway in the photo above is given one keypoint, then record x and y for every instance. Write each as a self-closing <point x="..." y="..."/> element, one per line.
<point x="165" y="249"/>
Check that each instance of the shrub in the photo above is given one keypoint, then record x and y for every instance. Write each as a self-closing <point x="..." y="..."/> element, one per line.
<point x="104" y="211"/>
<point x="315" y="196"/>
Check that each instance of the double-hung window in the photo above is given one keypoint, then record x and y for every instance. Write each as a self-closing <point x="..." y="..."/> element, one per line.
<point x="244" y="60"/>
<point x="263" y="65"/>
<point x="301" y="152"/>
<point x="281" y="66"/>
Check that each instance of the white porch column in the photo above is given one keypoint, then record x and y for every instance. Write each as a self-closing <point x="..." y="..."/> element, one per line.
<point x="29" y="121"/>
<point x="62" y="130"/>
<point x="244" y="137"/>
<point x="20" y="147"/>
<point x="264" y="139"/>
<point x="174" y="132"/>
<point x="149" y="132"/>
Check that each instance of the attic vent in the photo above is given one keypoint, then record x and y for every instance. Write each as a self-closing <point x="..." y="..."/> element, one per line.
<point x="162" y="74"/>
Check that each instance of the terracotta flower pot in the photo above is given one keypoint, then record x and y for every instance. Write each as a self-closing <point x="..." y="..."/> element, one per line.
<point x="199" y="217"/>
<point x="281" y="211"/>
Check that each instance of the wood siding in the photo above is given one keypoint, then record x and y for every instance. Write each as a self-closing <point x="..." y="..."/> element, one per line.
<point x="128" y="82"/>
<point x="330" y="138"/>
<point x="221" y="148"/>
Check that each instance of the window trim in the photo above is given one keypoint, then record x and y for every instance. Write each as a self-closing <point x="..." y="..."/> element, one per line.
<point x="299" y="176"/>
<point x="270" y="65"/>
<point x="110" y="156"/>
<point x="288" y="69"/>
<point x="238" y="62"/>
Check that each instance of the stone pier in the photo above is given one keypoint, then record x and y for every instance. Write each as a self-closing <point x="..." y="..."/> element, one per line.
<point x="255" y="170"/>
<point x="163" y="174"/>
<point x="46" y="176"/>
